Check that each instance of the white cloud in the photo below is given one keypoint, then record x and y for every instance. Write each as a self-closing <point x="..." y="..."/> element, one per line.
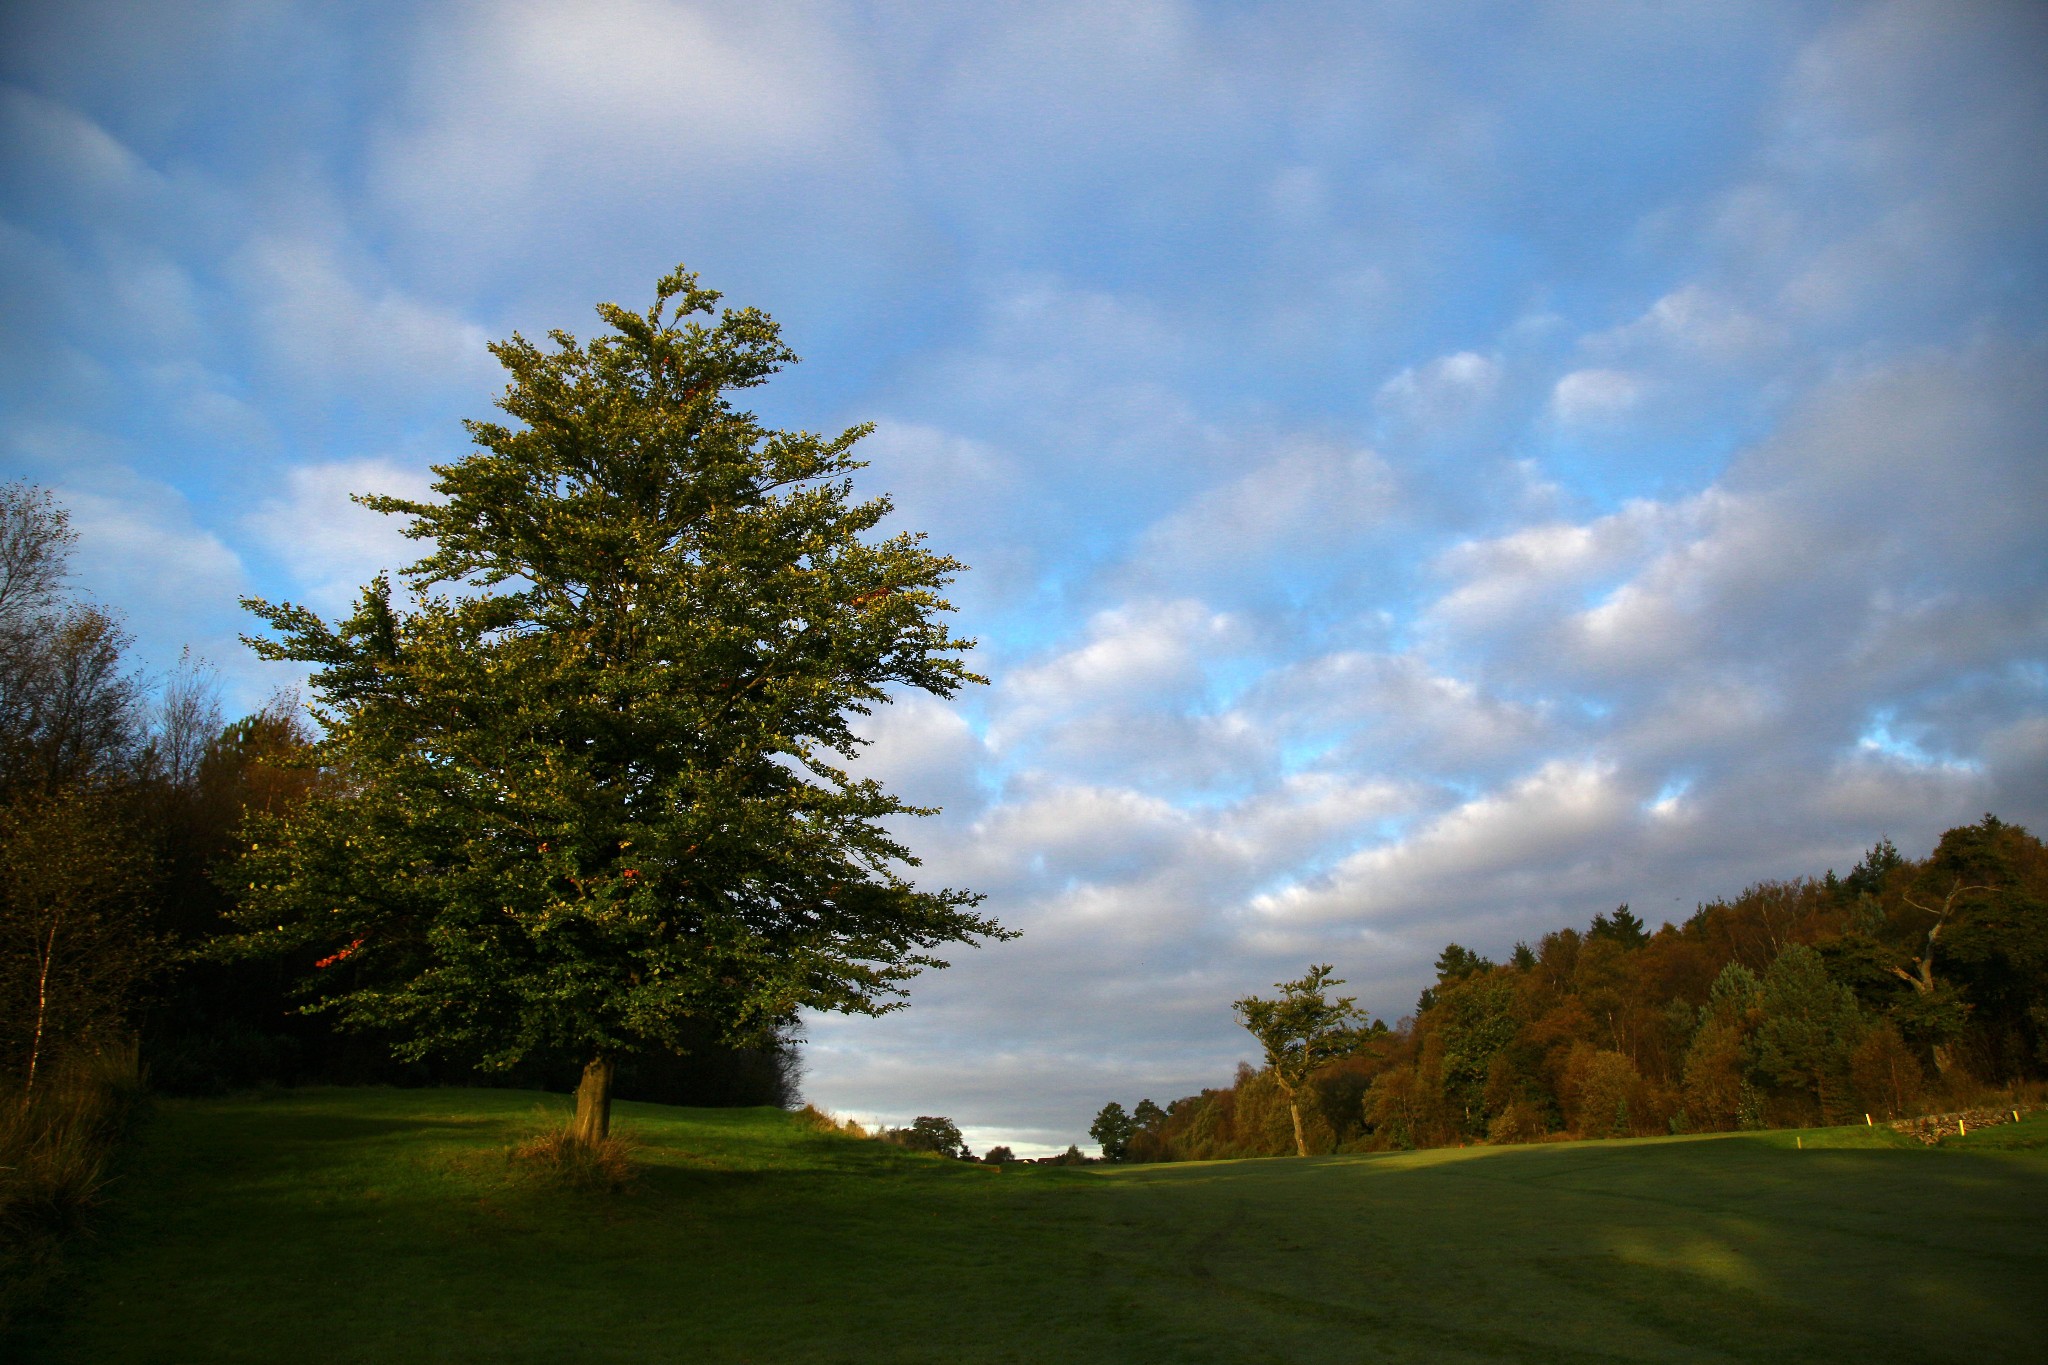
<point x="333" y="331"/>
<point x="1691" y="324"/>
<point x="72" y="153"/>
<point x="922" y="749"/>
<point x="330" y="546"/>
<point x="1590" y="396"/>
<point x="517" y="104"/>
<point x="1545" y="827"/>
<point x="144" y="549"/>
<point x="1307" y="502"/>
<point x="1444" y="391"/>
<point x="1146" y="652"/>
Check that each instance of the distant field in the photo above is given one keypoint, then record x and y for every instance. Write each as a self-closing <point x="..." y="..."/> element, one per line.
<point x="381" y="1226"/>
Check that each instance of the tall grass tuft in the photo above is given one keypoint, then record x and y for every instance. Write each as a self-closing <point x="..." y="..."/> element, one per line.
<point x="56" y="1141"/>
<point x="559" y="1158"/>
<point x="816" y="1119"/>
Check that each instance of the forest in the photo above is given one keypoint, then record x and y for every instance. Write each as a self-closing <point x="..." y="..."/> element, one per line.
<point x="1904" y="985"/>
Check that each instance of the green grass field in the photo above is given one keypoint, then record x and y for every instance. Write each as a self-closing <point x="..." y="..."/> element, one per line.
<point x="384" y="1226"/>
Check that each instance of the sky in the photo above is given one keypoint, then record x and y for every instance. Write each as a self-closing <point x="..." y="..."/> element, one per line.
<point x="1431" y="471"/>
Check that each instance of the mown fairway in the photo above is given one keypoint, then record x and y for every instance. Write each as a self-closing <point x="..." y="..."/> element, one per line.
<point x="380" y="1226"/>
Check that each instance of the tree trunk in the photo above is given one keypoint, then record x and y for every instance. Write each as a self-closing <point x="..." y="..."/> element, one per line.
<point x="1294" y="1111"/>
<point x="593" y="1121"/>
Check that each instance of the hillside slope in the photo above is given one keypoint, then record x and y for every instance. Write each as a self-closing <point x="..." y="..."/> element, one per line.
<point x="378" y="1225"/>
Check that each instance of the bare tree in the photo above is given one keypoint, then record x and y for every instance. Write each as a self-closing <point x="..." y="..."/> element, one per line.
<point x="67" y="710"/>
<point x="35" y="541"/>
<point x="185" y="722"/>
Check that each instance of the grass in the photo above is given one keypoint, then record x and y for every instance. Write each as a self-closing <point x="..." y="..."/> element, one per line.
<point x="373" y="1225"/>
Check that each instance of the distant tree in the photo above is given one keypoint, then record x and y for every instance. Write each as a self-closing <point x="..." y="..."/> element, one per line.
<point x="999" y="1156"/>
<point x="1148" y="1116"/>
<point x="1523" y="959"/>
<point x="1453" y="965"/>
<point x="1301" y="1031"/>
<point x="1716" y="1067"/>
<point x="1994" y="950"/>
<point x="1621" y="927"/>
<point x="930" y="1133"/>
<point x="1868" y="878"/>
<point x="1603" y="1093"/>
<point x="1112" y="1130"/>
<point x="69" y="712"/>
<point x="590" y="789"/>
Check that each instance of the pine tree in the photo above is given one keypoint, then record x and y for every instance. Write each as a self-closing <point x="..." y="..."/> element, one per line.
<point x="589" y="785"/>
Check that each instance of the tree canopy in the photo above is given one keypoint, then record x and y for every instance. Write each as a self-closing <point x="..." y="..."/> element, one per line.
<point x="590" y="771"/>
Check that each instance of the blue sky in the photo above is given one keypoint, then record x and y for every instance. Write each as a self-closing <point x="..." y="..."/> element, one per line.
<point x="1432" y="471"/>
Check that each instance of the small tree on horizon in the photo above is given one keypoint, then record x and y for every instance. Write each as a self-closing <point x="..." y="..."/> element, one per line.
<point x="588" y="786"/>
<point x="1301" y="1032"/>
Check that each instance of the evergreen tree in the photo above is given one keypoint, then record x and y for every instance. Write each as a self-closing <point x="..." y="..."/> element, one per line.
<point x="1623" y="927"/>
<point x="1810" y="1024"/>
<point x="588" y="787"/>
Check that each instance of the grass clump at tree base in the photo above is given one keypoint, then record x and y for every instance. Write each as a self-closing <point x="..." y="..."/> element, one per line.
<point x="388" y="1226"/>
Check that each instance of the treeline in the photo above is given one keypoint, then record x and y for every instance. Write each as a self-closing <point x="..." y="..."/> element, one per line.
<point x="122" y="805"/>
<point x="1905" y="985"/>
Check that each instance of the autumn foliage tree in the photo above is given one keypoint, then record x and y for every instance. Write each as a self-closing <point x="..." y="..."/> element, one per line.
<point x="589" y="773"/>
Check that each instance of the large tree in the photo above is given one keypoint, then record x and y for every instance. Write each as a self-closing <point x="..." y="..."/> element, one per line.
<point x="589" y="784"/>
